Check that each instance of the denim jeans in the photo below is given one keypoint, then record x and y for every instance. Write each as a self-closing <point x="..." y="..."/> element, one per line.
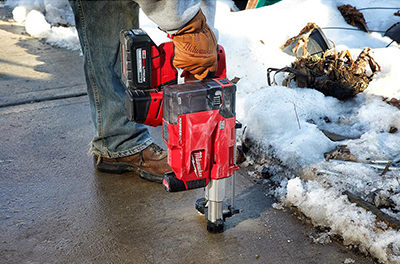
<point x="98" y="24"/>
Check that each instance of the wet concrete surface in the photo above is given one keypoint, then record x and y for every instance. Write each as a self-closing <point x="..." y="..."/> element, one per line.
<point x="55" y="208"/>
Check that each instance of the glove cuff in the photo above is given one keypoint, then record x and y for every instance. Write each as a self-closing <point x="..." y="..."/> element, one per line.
<point x="197" y="24"/>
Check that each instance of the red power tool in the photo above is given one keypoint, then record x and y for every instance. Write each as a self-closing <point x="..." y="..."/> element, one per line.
<point x="198" y="119"/>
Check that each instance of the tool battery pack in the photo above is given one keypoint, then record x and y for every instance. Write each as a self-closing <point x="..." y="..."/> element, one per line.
<point x="145" y="68"/>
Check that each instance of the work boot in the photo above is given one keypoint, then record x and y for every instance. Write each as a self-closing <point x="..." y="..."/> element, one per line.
<point x="151" y="164"/>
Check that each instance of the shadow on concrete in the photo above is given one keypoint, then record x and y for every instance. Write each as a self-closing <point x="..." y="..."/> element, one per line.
<point x="14" y="28"/>
<point x="253" y="201"/>
<point x="31" y="69"/>
<point x="5" y="12"/>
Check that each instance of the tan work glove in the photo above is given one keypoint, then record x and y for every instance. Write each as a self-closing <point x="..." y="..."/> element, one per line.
<point x="195" y="48"/>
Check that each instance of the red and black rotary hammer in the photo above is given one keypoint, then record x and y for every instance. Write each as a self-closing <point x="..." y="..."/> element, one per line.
<point x="198" y="121"/>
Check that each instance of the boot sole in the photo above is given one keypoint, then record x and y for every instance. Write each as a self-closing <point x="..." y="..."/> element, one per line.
<point x="120" y="167"/>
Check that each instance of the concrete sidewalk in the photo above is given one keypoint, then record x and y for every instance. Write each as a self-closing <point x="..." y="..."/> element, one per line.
<point x="55" y="208"/>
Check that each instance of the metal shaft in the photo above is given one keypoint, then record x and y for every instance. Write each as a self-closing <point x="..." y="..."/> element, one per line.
<point x="216" y="194"/>
<point x="233" y="190"/>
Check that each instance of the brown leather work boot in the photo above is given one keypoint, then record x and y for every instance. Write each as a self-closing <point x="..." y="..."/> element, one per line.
<point x="150" y="163"/>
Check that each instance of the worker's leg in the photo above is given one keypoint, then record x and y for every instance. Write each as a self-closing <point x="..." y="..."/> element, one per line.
<point x="98" y="24"/>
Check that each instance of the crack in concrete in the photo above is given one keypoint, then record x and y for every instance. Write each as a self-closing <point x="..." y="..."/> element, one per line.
<point x="44" y="99"/>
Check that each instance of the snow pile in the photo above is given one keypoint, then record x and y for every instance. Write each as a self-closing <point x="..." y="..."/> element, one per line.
<point x="48" y="20"/>
<point x="287" y="123"/>
<point x="327" y="208"/>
